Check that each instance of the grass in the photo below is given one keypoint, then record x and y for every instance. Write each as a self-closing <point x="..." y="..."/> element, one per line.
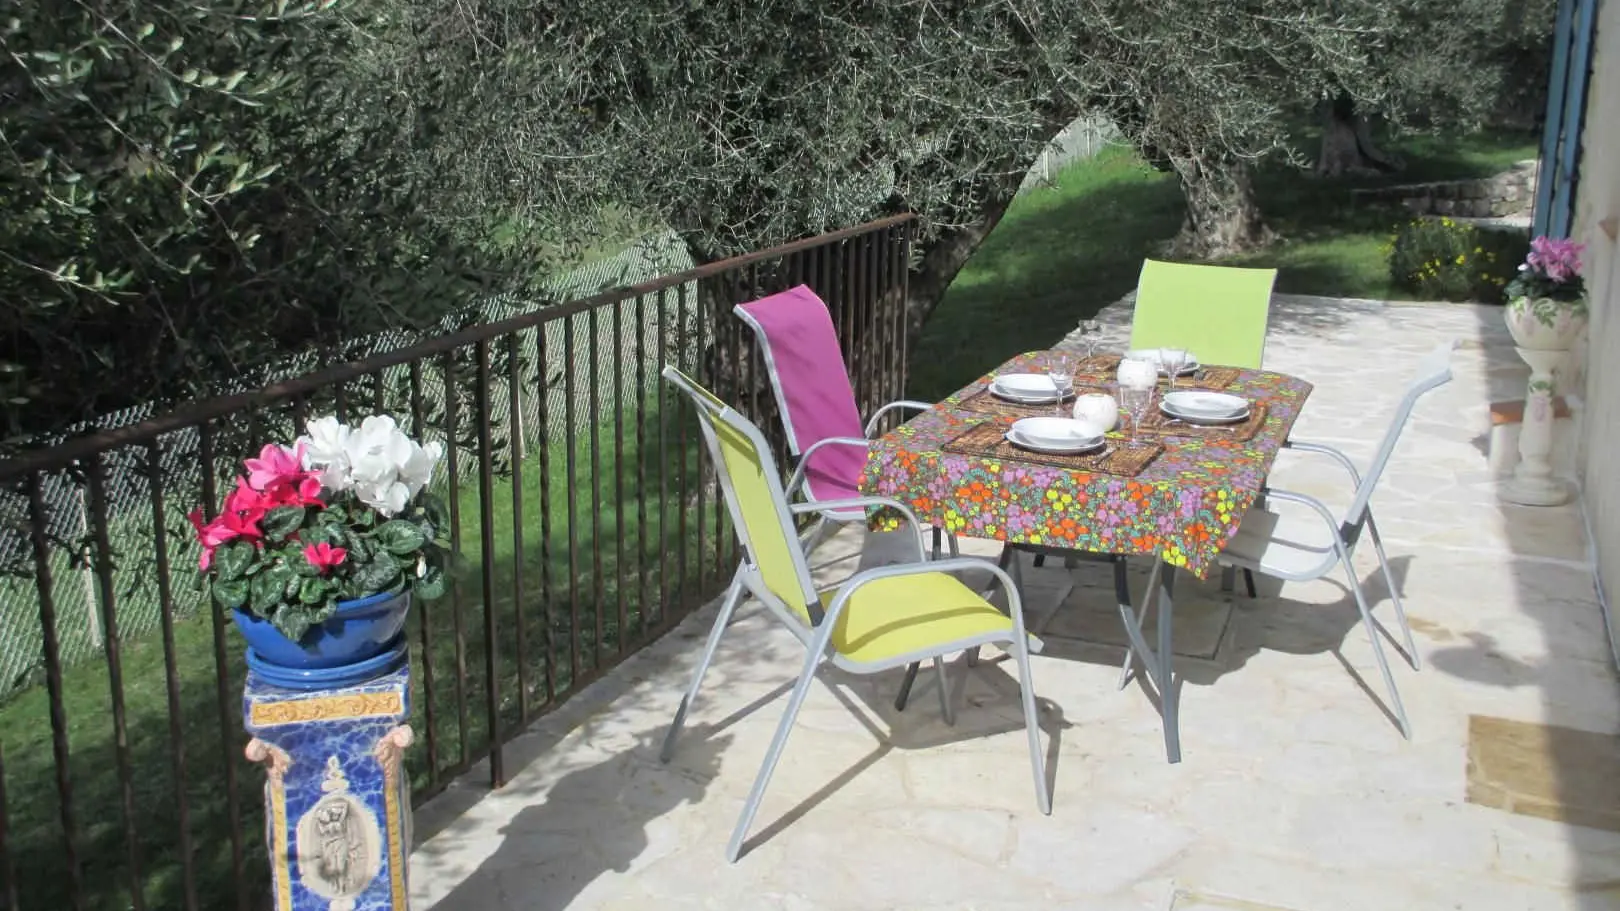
<point x="1064" y="252"/>
<point x="634" y="560"/>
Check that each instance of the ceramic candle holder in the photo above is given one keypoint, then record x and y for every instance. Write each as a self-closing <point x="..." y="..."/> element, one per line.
<point x="1097" y="409"/>
<point x="1138" y="374"/>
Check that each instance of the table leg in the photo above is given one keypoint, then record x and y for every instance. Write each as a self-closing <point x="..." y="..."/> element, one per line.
<point x="1160" y="666"/>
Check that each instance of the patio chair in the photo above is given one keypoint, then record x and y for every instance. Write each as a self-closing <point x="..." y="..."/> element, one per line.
<point x="819" y="413"/>
<point x="876" y="620"/>
<point x="1217" y="312"/>
<point x="1298" y="547"/>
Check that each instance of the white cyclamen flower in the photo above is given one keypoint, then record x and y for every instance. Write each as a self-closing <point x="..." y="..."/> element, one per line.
<point x="418" y="469"/>
<point x="377" y="453"/>
<point x="326" y="449"/>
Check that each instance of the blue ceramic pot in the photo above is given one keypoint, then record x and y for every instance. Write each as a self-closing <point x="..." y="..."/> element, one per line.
<point x="360" y="630"/>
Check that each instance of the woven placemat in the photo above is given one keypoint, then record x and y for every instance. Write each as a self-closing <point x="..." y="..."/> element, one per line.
<point x="1158" y="423"/>
<point x="987" y="441"/>
<point x="984" y="402"/>
<point x="1101" y="369"/>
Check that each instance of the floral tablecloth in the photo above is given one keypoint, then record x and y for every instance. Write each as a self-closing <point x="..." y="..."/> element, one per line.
<point x="1183" y="507"/>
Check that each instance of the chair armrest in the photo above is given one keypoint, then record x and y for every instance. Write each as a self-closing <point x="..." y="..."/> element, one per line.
<point x="1288" y="496"/>
<point x="871" y="424"/>
<point x="1330" y="452"/>
<point x="804" y="458"/>
<point x="1015" y="604"/>
<point x="800" y="509"/>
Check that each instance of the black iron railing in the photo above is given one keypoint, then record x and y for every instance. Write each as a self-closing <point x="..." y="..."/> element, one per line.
<point x="583" y="516"/>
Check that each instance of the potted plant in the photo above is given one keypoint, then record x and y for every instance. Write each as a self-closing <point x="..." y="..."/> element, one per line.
<point x="320" y="547"/>
<point x="1546" y="308"/>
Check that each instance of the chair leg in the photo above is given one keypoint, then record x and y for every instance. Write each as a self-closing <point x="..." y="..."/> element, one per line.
<point x="772" y="756"/>
<point x="1377" y="644"/>
<point x="944" y="691"/>
<point x="1394" y="596"/>
<point x="1248" y="582"/>
<point x="727" y="608"/>
<point x="953" y="545"/>
<point x="1032" y="724"/>
<point x="901" y="697"/>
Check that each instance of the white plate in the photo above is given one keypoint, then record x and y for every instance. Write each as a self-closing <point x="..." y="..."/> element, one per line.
<point x="1055" y="434"/>
<point x="1204" y="418"/>
<point x="1017" y="439"/>
<point x="1030" y="386"/>
<point x="1203" y="403"/>
<point x="1156" y="356"/>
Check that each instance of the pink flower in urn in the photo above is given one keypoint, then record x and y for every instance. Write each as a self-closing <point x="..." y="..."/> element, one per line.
<point x="324" y="557"/>
<point x="1557" y="258"/>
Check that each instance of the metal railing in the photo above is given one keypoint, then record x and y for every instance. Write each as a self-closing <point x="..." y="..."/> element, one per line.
<point x="583" y="516"/>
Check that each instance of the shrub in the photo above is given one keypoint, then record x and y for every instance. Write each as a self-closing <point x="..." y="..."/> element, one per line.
<point x="1441" y="259"/>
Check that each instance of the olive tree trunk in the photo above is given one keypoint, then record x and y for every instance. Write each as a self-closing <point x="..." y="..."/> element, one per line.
<point x="1347" y="143"/>
<point x="1222" y="217"/>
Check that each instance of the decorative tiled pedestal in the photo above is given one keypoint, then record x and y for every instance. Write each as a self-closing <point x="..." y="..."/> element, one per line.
<point x="337" y="804"/>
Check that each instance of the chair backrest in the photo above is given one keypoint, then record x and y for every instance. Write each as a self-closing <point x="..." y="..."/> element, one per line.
<point x="1218" y="313"/>
<point x="806" y="366"/>
<point x="1433" y="372"/>
<point x="754" y="495"/>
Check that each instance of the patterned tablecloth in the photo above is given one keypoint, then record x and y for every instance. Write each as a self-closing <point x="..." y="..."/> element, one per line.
<point x="1183" y="506"/>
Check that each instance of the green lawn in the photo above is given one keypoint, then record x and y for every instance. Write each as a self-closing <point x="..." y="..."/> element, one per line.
<point x="1066" y="251"/>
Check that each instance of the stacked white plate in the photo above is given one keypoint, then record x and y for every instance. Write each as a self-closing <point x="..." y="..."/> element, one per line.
<point x="1028" y="389"/>
<point x="1055" y="435"/>
<point x="1201" y="407"/>
<point x="1156" y="356"/>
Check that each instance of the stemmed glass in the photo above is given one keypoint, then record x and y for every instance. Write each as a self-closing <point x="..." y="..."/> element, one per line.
<point x="1060" y="367"/>
<point x="1135" y="400"/>
<point x="1174" y="360"/>
<point x="1091" y="337"/>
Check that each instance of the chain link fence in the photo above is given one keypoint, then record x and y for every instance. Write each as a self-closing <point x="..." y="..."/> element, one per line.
<point x="629" y="332"/>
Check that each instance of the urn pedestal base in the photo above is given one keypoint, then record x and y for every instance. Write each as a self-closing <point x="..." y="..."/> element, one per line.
<point x="336" y="799"/>
<point x="1533" y="483"/>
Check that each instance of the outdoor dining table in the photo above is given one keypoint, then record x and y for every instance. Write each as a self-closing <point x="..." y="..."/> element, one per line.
<point x="1176" y="494"/>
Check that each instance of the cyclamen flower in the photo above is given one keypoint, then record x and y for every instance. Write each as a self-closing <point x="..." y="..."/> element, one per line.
<point x="280" y="474"/>
<point x="244" y="509"/>
<point x="1558" y="259"/>
<point x="384" y="467"/>
<point x="324" y="557"/>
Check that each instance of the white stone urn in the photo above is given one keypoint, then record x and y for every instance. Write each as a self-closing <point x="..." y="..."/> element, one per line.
<point x="1545" y="324"/>
<point x="1545" y="330"/>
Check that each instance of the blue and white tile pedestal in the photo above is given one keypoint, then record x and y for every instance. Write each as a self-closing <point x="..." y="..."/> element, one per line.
<point x="336" y="803"/>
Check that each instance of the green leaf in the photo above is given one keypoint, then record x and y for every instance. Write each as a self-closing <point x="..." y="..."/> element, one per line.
<point x="431" y="585"/>
<point x="376" y="574"/>
<point x="269" y="588"/>
<point x="231" y="561"/>
<point x="435" y="510"/>
<point x="231" y="594"/>
<point x="293" y="620"/>
<point x="400" y="537"/>
<point x="282" y="521"/>
<point x="312" y="590"/>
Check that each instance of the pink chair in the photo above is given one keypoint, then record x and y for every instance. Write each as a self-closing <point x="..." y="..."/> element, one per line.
<point x="819" y="414"/>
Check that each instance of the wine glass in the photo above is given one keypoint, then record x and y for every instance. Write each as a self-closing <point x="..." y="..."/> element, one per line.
<point x="1174" y="360"/>
<point x="1135" y="399"/>
<point x="1060" y="367"/>
<point x="1091" y="337"/>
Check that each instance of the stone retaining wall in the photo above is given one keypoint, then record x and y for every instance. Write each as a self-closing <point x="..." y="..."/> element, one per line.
<point x="1511" y="192"/>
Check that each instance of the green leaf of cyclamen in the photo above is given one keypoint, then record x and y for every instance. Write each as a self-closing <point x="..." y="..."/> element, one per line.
<point x="431" y="585"/>
<point x="282" y="521"/>
<point x="293" y="621"/>
<point x="400" y="537"/>
<point x="312" y="591"/>
<point x="232" y="560"/>
<point x="377" y="574"/>
<point x="231" y="594"/>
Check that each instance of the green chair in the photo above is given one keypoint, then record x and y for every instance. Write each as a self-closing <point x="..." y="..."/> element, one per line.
<point x="1216" y="312"/>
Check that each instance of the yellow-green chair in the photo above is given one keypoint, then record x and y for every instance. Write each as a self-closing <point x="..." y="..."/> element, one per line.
<point x="1217" y="312"/>
<point x="878" y="619"/>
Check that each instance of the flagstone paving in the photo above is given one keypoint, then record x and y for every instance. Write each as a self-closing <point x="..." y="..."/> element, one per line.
<point x="1296" y="791"/>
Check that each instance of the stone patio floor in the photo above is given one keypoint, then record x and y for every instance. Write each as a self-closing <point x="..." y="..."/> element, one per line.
<point x="1295" y="791"/>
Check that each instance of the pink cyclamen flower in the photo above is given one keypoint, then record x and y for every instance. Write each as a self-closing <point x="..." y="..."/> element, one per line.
<point x="324" y="556"/>
<point x="279" y="472"/>
<point x="244" y="508"/>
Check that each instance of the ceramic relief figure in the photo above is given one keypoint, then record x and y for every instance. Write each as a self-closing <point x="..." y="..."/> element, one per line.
<point x="339" y="843"/>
